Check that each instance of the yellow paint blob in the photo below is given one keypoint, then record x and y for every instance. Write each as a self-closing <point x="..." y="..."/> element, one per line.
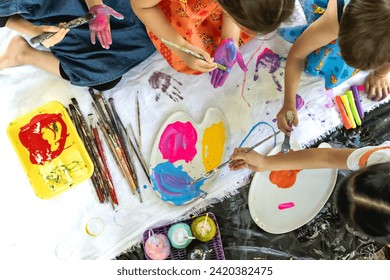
<point x="213" y="145"/>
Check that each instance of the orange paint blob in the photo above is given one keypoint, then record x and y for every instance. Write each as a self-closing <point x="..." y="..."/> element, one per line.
<point x="284" y="178"/>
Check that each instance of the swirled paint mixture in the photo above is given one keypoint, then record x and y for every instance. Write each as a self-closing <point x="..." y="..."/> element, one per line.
<point x="174" y="184"/>
<point x="44" y="137"/>
<point x="178" y="142"/>
<point x="213" y="144"/>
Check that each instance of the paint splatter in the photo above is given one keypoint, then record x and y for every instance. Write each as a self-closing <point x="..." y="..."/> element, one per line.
<point x="213" y="144"/>
<point x="270" y="61"/>
<point x="166" y="84"/>
<point x="329" y="98"/>
<point x="44" y="137"/>
<point x="286" y="205"/>
<point x="178" y="142"/>
<point x="299" y="102"/>
<point x="174" y="184"/>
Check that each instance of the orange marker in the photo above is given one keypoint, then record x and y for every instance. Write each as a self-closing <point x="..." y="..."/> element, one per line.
<point x="346" y="122"/>
<point x="344" y="99"/>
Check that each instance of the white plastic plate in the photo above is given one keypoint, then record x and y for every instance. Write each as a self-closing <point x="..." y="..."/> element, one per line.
<point x="309" y="194"/>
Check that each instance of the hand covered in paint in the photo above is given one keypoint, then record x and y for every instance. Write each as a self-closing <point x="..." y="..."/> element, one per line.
<point x="241" y="159"/>
<point x="281" y="118"/>
<point x="100" y="25"/>
<point x="226" y="54"/>
<point x="377" y="86"/>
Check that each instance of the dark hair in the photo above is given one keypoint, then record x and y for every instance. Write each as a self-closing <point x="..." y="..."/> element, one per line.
<point x="364" y="36"/>
<point x="363" y="199"/>
<point x="259" y="16"/>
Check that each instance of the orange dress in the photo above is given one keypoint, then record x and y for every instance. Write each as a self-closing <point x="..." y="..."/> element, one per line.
<point x="198" y="22"/>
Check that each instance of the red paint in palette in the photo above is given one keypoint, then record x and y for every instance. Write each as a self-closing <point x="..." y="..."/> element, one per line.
<point x="44" y="137"/>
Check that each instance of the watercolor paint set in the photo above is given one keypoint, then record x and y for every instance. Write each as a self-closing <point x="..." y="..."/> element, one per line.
<point x="197" y="244"/>
<point x="50" y="150"/>
<point x="350" y="107"/>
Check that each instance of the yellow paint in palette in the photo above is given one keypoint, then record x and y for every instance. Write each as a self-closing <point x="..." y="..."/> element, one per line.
<point x="344" y="99"/>
<point x="213" y="144"/>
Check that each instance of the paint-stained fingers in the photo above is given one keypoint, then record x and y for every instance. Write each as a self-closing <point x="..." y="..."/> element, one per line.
<point x="100" y="38"/>
<point x="93" y="37"/>
<point x="223" y="78"/>
<point x="216" y="77"/>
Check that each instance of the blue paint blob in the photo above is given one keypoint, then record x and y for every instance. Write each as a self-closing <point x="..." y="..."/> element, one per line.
<point x="173" y="184"/>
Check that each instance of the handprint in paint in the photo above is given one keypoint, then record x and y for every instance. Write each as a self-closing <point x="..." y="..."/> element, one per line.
<point x="164" y="83"/>
<point x="270" y="61"/>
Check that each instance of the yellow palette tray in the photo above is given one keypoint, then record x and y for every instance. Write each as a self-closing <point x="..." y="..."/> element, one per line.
<point x="50" y="150"/>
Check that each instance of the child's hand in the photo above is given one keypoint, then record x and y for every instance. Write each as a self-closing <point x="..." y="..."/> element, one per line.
<point x="195" y="63"/>
<point x="281" y="118"/>
<point x="60" y="33"/>
<point x="377" y="86"/>
<point x="100" y="25"/>
<point x="241" y="159"/>
<point x="226" y="54"/>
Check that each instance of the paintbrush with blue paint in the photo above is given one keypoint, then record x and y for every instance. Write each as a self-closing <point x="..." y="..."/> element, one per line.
<point x="71" y="24"/>
<point x="187" y="51"/>
<point x="213" y="171"/>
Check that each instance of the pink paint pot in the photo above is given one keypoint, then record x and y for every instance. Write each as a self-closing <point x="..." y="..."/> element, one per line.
<point x="157" y="246"/>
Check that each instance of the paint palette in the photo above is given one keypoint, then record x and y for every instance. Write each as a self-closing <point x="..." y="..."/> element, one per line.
<point x="184" y="151"/>
<point x="281" y="207"/>
<point x="50" y="150"/>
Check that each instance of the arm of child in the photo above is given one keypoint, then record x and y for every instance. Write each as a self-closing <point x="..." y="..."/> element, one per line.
<point x="318" y="34"/>
<point x="312" y="158"/>
<point x="19" y="24"/>
<point x="377" y="83"/>
<point x="154" y="19"/>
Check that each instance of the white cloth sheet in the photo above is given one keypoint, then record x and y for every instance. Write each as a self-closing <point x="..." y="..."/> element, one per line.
<point x="55" y="229"/>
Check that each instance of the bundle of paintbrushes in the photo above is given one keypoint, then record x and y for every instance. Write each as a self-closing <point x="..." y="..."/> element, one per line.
<point x="120" y="143"/>
<point x="101" y="177"/>
<point x="350" y="107"/>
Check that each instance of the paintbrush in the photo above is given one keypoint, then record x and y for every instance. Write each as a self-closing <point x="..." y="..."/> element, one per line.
<point x="187" y="51"/>
<point x="139" y="125"/>
<point x="103" y="162"/>
<point x="213" y="171"/>
<point x="71" y="24"/>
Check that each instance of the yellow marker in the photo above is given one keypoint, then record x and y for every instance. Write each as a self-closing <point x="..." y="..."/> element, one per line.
<point x="352" y="104"/>
<point x="344" y="99"/>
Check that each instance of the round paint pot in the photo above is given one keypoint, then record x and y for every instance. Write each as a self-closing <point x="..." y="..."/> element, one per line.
<point x="204" y="228"/>
<point x="157" y="246"/>
<point x="180" y="235"/>
<point x="198" y="251"/>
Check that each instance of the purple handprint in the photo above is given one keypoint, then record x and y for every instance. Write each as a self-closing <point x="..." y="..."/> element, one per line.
<point x="165" y="84"/>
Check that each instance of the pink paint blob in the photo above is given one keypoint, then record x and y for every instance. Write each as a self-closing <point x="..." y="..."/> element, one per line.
<point x="286" y="205"/>
<point x="178" y="142"/>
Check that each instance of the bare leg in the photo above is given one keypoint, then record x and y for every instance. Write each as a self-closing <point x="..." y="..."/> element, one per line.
<point x="19" y="52"/>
